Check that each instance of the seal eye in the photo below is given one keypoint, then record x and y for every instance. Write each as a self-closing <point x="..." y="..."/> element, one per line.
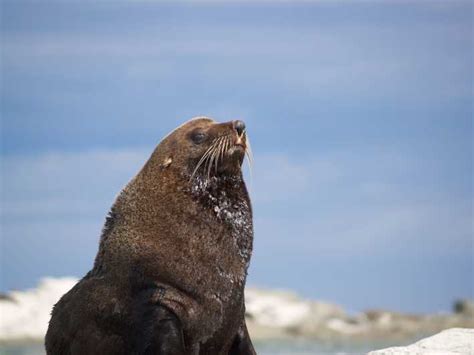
<point x="198" y="137"/>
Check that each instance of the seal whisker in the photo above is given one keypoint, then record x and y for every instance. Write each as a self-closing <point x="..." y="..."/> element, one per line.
<point x="228" y="144"/>
<point x="249" y="164"/>
<point x="248" y="153"/>
<point x="202" y="160"/>
<point x="212" y="158"/>
<point x="248" y="149"/>
<point x="217" y="154"/>
<point x="225" y="147"/>
<point x="222" y="145"/>
<point x="209" y="164"/>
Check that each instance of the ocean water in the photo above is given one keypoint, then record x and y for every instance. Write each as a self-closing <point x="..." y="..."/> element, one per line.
<point x="276" y="347"/>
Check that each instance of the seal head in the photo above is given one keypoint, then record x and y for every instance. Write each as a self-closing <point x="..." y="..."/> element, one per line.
<point x="204" y="146"/>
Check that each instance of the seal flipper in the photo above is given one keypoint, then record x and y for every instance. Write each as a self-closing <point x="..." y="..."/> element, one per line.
<point x="242" y="345"/>
<point x="167" y="337"/>
<point x="157" y="330"/>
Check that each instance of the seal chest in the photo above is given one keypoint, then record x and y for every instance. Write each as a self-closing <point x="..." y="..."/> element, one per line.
<point x="232" y="210"/>
<point x="170" y="273"/>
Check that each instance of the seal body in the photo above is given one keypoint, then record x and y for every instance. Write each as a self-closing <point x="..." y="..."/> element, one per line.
<point x="170" y="273"/>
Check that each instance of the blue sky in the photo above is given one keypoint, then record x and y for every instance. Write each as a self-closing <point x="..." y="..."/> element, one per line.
<point x="360" y="116"/>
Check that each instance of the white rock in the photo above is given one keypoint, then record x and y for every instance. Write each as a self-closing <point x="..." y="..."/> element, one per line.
<point x="276" y="314"/>
<point x="275" y="309"/>
<point x="343" y="327"/>
<point x="25" y="315"/>
<point x="453" y="341"/>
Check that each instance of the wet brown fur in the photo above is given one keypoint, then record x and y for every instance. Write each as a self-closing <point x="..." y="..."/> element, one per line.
<point x="171" y="239"/>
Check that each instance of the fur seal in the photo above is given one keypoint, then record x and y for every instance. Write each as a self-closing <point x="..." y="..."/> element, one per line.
<point x="172" y="263"/>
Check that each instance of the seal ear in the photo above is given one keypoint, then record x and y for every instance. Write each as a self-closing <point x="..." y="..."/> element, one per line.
<point x="167" y="162"/>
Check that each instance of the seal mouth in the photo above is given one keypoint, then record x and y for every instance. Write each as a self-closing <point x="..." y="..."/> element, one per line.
<point x="240" y="140"/>
<point x="237" y="150"/>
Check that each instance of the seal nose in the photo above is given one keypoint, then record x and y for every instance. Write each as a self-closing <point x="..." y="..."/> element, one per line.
<point x="239" y="126"/>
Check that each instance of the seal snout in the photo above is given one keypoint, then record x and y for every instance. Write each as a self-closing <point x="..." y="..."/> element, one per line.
<point x="222" y="148"/>
<point x="240" y="139"/>
<point x="239" y="127"/>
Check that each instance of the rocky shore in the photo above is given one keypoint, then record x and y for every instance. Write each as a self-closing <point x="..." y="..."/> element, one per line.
<point x="270" y="315"/>
<point x="284" y="314"/>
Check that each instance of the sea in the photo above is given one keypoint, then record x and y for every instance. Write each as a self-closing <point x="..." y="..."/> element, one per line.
<point x="277" y="347"/>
